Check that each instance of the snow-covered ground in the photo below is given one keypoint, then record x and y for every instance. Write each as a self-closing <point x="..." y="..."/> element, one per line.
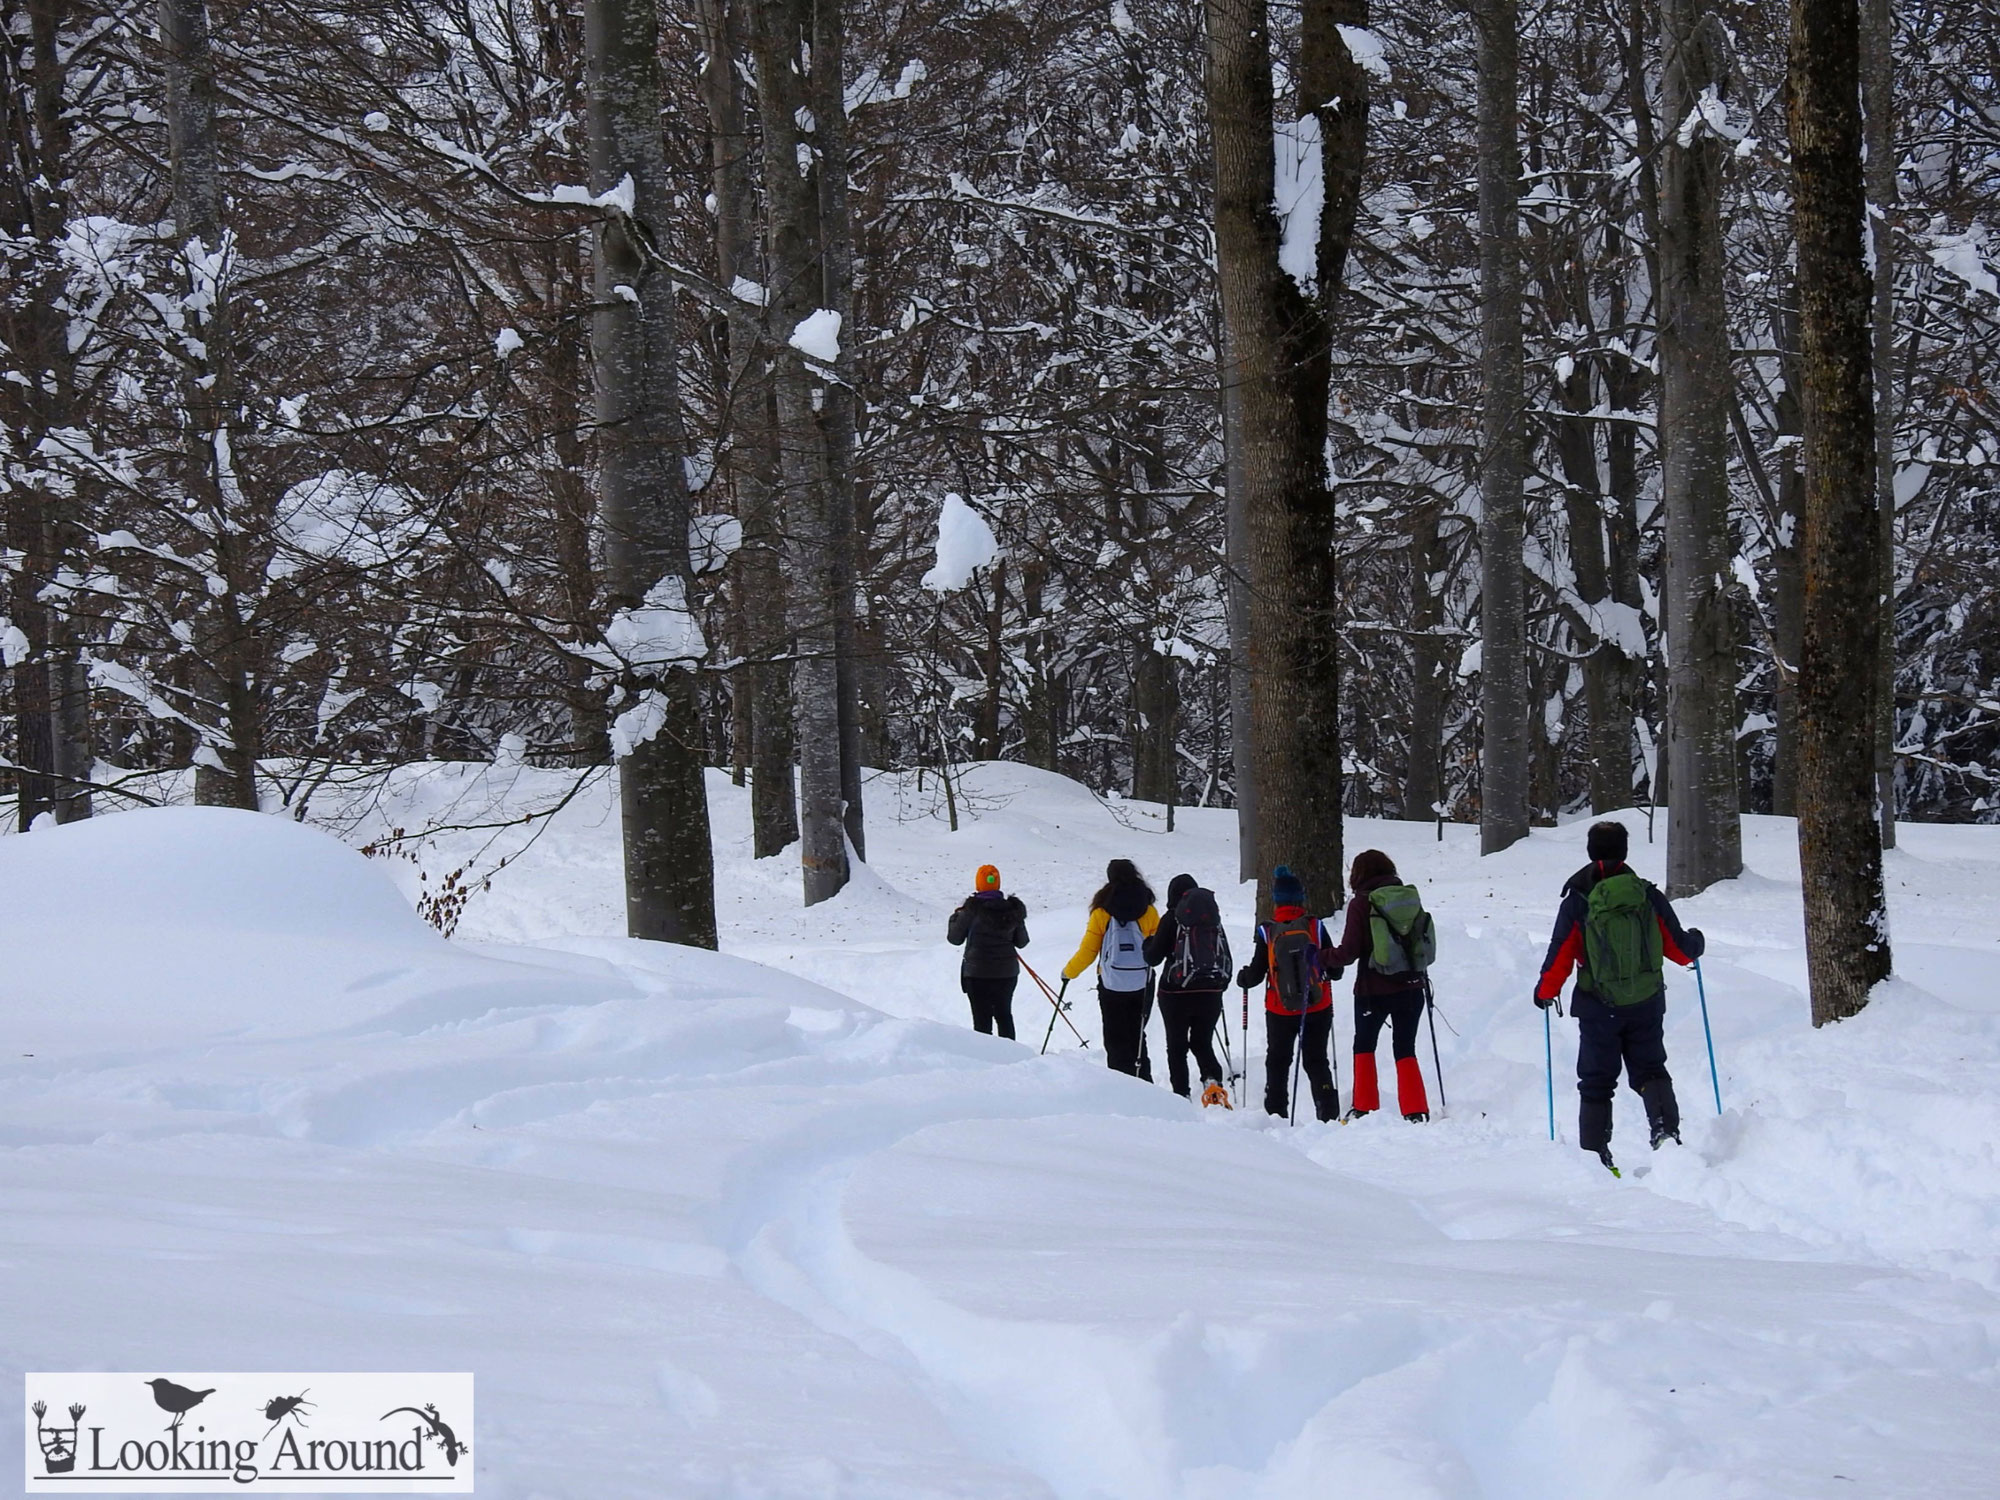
<point x="776" y="1223"/>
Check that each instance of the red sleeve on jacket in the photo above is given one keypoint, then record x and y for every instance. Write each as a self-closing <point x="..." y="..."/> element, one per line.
<point x="1556" y="975"/>
<point x="1355" y="940"/>
<point x="1671" y="948"/>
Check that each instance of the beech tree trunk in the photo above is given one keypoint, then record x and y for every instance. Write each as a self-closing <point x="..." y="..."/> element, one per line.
<point x="1840" y="837"/>
<point x="1277" y="362"/>
<point x="1788" y="573"/>
<point x="51" y="686"/>
<point x="1878" y="106"/>
<point x="642" y="482"/>
<point x="1423" y="783"/>
<point x="224" y="671"/>
<point x="1704" y="822"/>
<point x="1505" y="723"/>
<point x="793" y="160"/>
<point x="838" y="408"/>
<point x="765" y="680"/>
<point x="1155" y="716"/>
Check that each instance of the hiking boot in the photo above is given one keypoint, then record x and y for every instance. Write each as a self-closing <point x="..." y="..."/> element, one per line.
<point x="1354" y="1114"/>
<point x="1215" y="1093"/>
<point x="1604" y="1155"/>
<point x="1418" y="1116"/>
<point x="1663" y="1133"/>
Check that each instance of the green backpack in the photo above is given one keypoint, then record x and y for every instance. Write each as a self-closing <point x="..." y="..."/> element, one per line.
<point x="1402" y="937"/>
<point x="1622" y="951"/>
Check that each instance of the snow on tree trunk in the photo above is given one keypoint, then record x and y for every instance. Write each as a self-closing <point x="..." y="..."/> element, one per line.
<point x="1840" y="847"/>
<point x="793" y="158"/>
<point x="1276" y="366"/>
<point x="1504" y="711"/>
<point x="1704" y="823"/>
<point x="642" y="482"/>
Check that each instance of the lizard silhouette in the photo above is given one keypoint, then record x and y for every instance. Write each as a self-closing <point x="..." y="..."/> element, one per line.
<point x="440" y="1432"/>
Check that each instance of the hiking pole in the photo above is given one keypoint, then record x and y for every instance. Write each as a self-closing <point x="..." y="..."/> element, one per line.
<point x="1246" y="1042"/>
<point x="1437" y="1067"/>
<point x="1298" y="1058"/>
<point x="1549" y="1058"/>
<point x="1235" y="1078"/>
<point x="1714" y="1079"/>
<point x="1057" y="1004"/>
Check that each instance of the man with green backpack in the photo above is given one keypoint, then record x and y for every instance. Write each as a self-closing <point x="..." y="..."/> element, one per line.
<point x="1616" y="931"/>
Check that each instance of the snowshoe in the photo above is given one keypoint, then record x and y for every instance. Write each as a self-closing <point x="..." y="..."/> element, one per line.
<point x="1418" y="1116"/>
<point x="1215" y="1093"/>
<point x="1664" y="1133"/>
<point x="1354" y="1114"/>
<point x="1604" y="1155"/>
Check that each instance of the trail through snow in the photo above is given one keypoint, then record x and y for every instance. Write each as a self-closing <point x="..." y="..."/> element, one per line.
<point x="776" y="1223"/>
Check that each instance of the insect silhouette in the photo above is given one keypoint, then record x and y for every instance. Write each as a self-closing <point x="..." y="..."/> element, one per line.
<point x="439" y="1433"/>
<point x="280" y="1407"/>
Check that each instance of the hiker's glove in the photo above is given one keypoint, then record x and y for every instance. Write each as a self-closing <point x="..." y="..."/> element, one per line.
<point x="1697" y="943"/>
<point x="1541" y="1004"/>
<point x="1243" y="979"/>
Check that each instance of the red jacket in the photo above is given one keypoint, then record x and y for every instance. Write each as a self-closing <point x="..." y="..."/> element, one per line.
<point x="1258" y="970"/>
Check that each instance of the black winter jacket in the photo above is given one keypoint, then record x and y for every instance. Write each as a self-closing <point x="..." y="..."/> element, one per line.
<point x="1160" y="946"/>
<point x="990" y="927"/>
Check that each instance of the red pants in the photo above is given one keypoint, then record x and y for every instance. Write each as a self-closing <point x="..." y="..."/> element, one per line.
<point x="1403" y="1013"/>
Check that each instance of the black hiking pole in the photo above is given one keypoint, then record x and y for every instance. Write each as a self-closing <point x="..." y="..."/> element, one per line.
<point x="1437" y="1067"/>
<point x="1298" y="1059"/>
<point x="1057" y="1006"/>
<point x="1228" y="1062"/>
<point x="1246" y="1041"/>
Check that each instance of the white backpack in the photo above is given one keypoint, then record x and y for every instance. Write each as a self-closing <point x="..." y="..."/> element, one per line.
<point x="1121" y="962"/>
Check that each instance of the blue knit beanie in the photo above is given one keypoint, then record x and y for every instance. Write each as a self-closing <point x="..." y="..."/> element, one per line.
<point x="1286" y="888"/>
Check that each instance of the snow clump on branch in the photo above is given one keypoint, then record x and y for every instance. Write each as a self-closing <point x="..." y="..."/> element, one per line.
<point x="965" y="544"/>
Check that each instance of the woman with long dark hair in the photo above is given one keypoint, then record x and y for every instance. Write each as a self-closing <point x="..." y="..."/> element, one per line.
<point x="1384" y="939"/>
<point x="1121" y="919"/>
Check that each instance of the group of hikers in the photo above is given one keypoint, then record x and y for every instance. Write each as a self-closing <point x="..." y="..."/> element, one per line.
<point x="1613" y="929"/>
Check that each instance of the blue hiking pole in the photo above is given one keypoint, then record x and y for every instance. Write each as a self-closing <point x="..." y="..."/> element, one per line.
<point x="1707" y="1036"/>
<point x="1549" y="1058"/>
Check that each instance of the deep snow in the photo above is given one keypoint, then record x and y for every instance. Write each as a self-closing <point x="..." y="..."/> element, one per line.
<point x="707" y="1226"/>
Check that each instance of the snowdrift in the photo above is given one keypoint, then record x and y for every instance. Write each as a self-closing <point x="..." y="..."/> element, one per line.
<point x="774" y="1222"/>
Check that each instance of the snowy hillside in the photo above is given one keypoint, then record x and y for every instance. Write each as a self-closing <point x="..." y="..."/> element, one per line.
<point x="776" y="1223"/>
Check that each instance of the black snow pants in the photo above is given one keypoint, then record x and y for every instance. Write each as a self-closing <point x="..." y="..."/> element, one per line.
<point x="1125" y="1013"/>
<point x="992" y="1004"/>
<point x="1190" y="1019"/>
<point x="1281" y="1032"/>
<point x="1610" y="1035"/>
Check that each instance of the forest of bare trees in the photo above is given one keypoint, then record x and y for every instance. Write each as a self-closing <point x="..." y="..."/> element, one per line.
<point x="1419" y="412"/>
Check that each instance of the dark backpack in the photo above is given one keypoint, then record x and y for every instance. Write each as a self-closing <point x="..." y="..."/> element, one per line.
<point x="1623" y="953"/>
<point x="1201" y="958"/>
<point x="1402" y="937"/>
<point x="1296" y="973"/>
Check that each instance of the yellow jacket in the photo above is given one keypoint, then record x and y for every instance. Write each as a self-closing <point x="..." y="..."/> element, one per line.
<point x="1093" y="938"/>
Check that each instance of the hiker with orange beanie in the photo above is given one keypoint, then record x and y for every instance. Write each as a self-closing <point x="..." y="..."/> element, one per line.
<point x="989" y="925"/>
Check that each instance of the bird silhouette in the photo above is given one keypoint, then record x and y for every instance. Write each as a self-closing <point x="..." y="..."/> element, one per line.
<point x="176" y="1399"/>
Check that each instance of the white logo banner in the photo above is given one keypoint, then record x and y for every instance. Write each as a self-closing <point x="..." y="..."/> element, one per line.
<point x="145" y="1433"/>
